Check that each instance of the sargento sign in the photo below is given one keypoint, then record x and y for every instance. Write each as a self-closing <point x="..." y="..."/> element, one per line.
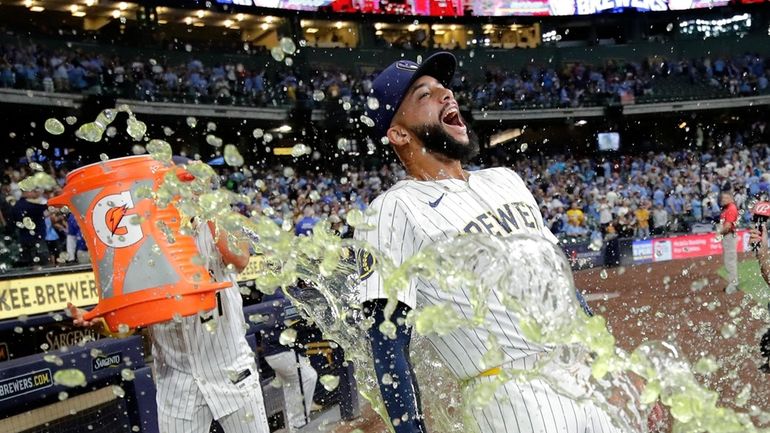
<point x="106" y="361"/>
<point x="28" y="296"/>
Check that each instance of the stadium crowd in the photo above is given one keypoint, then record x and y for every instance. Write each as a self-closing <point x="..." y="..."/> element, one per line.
<point x="625" y="196"/>
<point x="35" y="67"/>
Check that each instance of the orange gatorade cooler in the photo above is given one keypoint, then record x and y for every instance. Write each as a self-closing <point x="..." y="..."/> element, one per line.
<point x="143" y="276"/>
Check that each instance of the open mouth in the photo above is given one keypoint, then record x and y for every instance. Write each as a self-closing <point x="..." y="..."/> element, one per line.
<point x="451" y="117"/>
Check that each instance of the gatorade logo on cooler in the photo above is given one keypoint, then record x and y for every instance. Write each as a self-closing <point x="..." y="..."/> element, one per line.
<point x="111" y="221"/>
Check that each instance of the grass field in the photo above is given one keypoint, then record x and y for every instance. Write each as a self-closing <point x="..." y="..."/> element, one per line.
<point x="750" y="280"/>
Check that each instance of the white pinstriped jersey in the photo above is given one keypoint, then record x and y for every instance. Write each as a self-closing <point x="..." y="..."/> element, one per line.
<point x="414" y="214"/>
<point x="217" y="363"/>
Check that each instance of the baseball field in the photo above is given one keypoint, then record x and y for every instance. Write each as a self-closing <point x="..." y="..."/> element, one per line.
<point x="684" y="302"/>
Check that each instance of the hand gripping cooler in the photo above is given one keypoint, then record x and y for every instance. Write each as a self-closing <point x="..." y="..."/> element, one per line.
<point x="143" y="277"/>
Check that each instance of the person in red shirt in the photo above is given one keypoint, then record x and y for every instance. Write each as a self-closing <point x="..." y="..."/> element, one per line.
<point x="727" y="225"/>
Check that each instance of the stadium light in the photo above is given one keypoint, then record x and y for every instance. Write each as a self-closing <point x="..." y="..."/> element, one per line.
<point x="74" y="9"/>
<point x="378" y="26"/>
<point x="239" y="17"/>
<point x="338" y="24"/>
<point x="228" y="23"/>
<point x="90" y="3"/>
<point x="453" y="27"/>
<point x="116" y="14"/>
<point x="200" y="14"/>
<point x="27" y="3"/>
<point x="412" y="27"/>
<point x="122" y="6"/>
<point x="269" y="19"/>
<point x="265" y="26"/>
<point x="188" y="21"/>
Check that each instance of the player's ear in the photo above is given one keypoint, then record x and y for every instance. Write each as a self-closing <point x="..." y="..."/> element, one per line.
<point x="398" y="136"/>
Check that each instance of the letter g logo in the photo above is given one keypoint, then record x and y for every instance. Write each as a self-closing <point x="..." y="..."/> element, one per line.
<point x="110" y="222"/>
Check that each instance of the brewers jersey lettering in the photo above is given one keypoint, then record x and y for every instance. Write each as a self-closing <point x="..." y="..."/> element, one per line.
<point x="204" y="367"/>
<point x="414" y="214"/>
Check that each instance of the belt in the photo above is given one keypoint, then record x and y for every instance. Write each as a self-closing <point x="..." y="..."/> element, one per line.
<point x="491" y="372"/>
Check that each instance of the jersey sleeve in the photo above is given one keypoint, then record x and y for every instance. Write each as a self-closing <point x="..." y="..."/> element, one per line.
<point x="390" y="233"/>
<point x="529" y="198"/>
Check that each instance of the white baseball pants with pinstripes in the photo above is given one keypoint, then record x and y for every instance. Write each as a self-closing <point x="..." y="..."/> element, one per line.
<point x="250" y="418"/>
<point x="534" y="407"/>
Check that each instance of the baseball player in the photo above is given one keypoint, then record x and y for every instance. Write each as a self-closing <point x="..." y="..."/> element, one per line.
<point x="204" y="368"/>
<point x="439" y="200"/>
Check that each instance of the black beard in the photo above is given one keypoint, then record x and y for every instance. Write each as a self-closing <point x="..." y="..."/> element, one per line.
<point x="437" y="140"/>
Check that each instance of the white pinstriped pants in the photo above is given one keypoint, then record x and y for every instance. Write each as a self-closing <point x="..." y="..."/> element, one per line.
<point x="533" y="407"/>
<point x="250" y="418"/>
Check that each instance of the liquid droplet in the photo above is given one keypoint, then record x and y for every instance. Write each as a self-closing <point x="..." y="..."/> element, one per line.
<point x="287" y="45"/>
<point x="232" y="156"/>
<point x="127" y="374"/>
<point x="70" y="377"/>
<point x="135" y="128"/>
<point x="299" y="149"/>
<point x="28" y="223"/>
<point x="372" y="103"/>
<point x="288" y="337"/>
<point x="54" y="126"/>
<point x="277" y="54"/>
<point x="329" y="382"/>
<point x="213" y="140"/>
<point x="366" y="120"/>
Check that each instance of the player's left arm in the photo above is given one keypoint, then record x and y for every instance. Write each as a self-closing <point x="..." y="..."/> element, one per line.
<point x="393" y="236"/>
<point x="239" y="259"/>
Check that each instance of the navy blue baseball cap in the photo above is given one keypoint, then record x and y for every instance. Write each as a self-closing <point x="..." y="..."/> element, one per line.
<point x="391" y="85"/>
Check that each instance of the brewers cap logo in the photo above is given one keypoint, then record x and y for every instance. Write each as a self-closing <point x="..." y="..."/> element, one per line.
<point x="111" y="221"/>
<point x="366" y="262"/>
<point x="406" y="65"/>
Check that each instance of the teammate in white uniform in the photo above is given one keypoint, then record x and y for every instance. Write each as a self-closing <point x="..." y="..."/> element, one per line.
<point x="440" y="200"/>
<point x="203" y="366"/>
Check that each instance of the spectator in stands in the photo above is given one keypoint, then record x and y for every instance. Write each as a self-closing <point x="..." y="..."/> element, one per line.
<point x="659" y="220"/>
<point x="575" y="215"/>
<point x="605" y="215"/>
<point x="29" y="215"/>
<point x="642" y="217"/>
<point x="308" y="221"/>
<point x="727" y="229"/>
<point x="77" y="250"/>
